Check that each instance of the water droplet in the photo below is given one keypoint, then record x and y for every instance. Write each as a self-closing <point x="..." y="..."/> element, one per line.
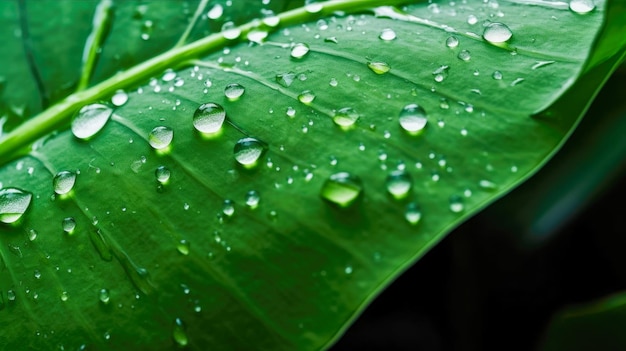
<point x="13" y="203"/>
<point x="161" y="137"/>
<point x="441" y="73"/>
<point x="314" y="7"/>
<point x="497" y="75"/>
<point x="271" y="21"/>
<point x="464" y="55"/>
<point x="517" y="81"/>
<point x="456" y="204"/>
<point x="285" y="79"/>
<point x="209" y="117"/>
<point x="291" y="112"/>
<point x="234" y="91"/>
<point x="146" y="29"/>
<point x="379" y="67"/>
<point x="413" y="213"/>
<point x="497" y="32"/>
<point x="348" y="269"/>
<point x="342" y="189"/>
<point x="37" y="274"/>
<point x="452" y="42"/>
<point x="64" y="296"/>
<point x="487" y="185"/>
<point x="32" y="235"/>
<point x="471" y="19"/>
<point x="413" y="118"/>
<point x="249" y="150"/>
<point x="119" y="98"/>
<point x="257" y="36"/>
<point x="399" y="184"/>
<point x="183" y="247"/>
<point x="387" y="34"/>
<point x="230" y="31"/>
<point x="299" y="50"/>
<point x="581" y="6"/>
<point x="306" y="97"/>
<point x="179" y="334"/>
<point x="333" y="82"/>
<point x="11" y="295"/>
<point x="345" y="117"/>
<point x="103" y="296"/>
<point x="63" y="182"/>
<point x="68" y="224"/>
<point x="162" y="174"/>
<point x="252" y="199"/>
<point x="228" y="208"/>
<point x="90" y="119"/>
<point x="215" y="12"/>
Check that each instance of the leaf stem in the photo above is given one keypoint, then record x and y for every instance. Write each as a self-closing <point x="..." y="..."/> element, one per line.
<point x="101" y="25"/>
<point x="18" y="141"/>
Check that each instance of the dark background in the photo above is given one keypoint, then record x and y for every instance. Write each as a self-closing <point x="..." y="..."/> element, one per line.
<point x="495" y="282"/>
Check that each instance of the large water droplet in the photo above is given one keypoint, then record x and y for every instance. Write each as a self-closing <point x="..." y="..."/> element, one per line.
<point x="252" y="199"/>
<point x="413" y="118"/>
<point x="387" y="34"/>
<point x="497" y="32"/>
<point x="249" y="150"/>
<point x="119" y="98"/>
<point x="582" y="6"/>
<point x="306" y="97"/>
<point x="234" y="91"/>
<point x="299" y="50"/>
<point x="413" y="213"/>
<point x="13" y="203"/>
<point x="215" y="12"/>
<point x="456" y="204"/>
<point x="342" y="189"/>
<point x="90" y="120"/>
<point x="399" y="184"/>
<point x="161" y="137"/>
<point x="209" y="117"/>
<point x="179" y="334"/>
<point x="103" y="296"/>
<point x="345" y="117"/>
<point x="162" y="174"/>
<point x="68" y="224"/>
<point x="452" y="42"/>
<point x="379" y="67"/>
<point x="63" y="182"/>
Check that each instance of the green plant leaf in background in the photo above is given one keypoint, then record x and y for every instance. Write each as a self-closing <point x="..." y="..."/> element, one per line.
<point x="353" y="141"/>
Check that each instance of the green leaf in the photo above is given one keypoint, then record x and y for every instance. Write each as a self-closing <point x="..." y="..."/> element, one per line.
<point x="195" y="260"/>
<point x="596" y="325"/>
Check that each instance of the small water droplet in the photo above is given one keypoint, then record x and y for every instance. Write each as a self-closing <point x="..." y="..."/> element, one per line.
<point x="37" y="274"/>
<point x="252" y="199"/>
<point x="314" y="7"/>
<point x="333" y="82"/>
<point x="228" y="208"/>
<point x="387" y="34"/>
<point x="257" y="36"/>
<point x="167" y="76"/>
<point x="471" y="19"/>
<point x="464" y="55"/>
<point x="413" y="213"/>
<point x="306" y="97"/>
<point x="497" y="32"/>
<point x="285" y="79"/>
<point x="63" y="182"/>
<point x="581" y="7"/>
<point x="271" y="21"/>
<point x="441" y="73"/>
<point x="103" y="296"/>
<point x="299" y="50"/>
<point x="230" y="31"/>
<point x="342" y="189"/>
<point x="291" y="112"/>
<point x="248" y="151"/>
<point x="179" y="334"/>
<point x="11" y="295"/>
<point x="413" y="118"/>
<point x="497" y="75"/>
<point x="32" y="234"/>
<point x="119" y="98"/>
<point x="399" y="184"/>
<point x="68" y="224"/>
<point x="348" y="269"/>
<point x="452" y="42"/>
<point x="161" y="137"/>
<point x="90" y="119"/>
<point x="162" y="174"/>
<point x="456" y="204"/>
<point x="209" y="117"/>
<point x="487" y="185"/>
<point x="64" y="296"/>
<point x="215" y="12"/>
<point x="183" y="247"/>
<point x="234" y="91"/>
<point x="13" y="203"/>
<point x="146" y="29"/>
<point x="346" y="117"/>
<point x="379" y="67"/>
